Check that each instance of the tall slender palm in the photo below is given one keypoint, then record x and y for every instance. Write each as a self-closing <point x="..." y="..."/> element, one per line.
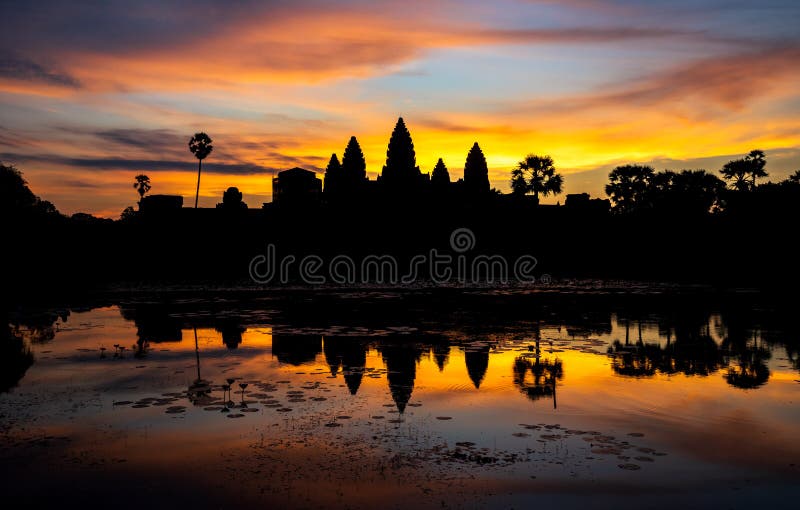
<point x="142" y="185"/>
<point x="200" y="146"/>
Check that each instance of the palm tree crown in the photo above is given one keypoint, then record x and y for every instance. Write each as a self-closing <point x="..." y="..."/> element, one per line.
<point x="537" y="175"/>
<point x="628" y="185"/>
<point x="200" y="146"/>
<point x="141" y="184"/>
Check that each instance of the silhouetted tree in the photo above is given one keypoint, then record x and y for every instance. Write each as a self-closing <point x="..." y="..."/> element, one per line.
<point x="795" y="177"/>
<point x="476" y="171"/>
<point x="440" y="178"/>
<point x="142" y="185"/>
<point x="200" y="146"/>
<point x="742" y="173"/>
<point x="693" y="191"/>
<point x="757" y="161"/>
<point x="16" y="198"/>
<point x="128" y="214"/>
<point x="537" y="175"/>
<point x="14" y="192"/>
<point x="401" y="170"/>
<point x="735" y="172"/>
<point x="628" y="185"/>
<point x="519" y="186"/>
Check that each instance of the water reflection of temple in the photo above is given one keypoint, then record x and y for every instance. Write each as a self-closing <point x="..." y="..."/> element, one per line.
<point x="296" y="349"/>
<point x="644" y="340"/>
<point x="401" y="358"/>
<point x="441" y="354"/>
<point x="231" y="331"/>
<point x="349" y="355"/>
<point x="477" y="360"/>
<point x="155" y="323"/>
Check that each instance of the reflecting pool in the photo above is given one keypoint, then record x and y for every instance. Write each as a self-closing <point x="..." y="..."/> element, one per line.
<point x="483" y="398"/>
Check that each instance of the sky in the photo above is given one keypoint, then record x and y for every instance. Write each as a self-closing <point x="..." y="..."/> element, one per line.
<point x="93" y="93"/>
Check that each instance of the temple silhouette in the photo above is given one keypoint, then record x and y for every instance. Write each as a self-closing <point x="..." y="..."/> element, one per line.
<point x="687" y="226"/>
<point x="346" y="182"/>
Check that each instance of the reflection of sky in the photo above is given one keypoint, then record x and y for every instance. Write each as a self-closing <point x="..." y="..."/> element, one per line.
<point x="279" y="85"/>
<point x="707" y="428"/>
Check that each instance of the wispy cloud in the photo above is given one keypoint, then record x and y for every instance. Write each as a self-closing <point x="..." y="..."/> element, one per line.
<point x="728" y="81"/>
<point x="26" y="70"/>
<point x="273" y="42"/>
<point x="148" y="140"/>
<point x="150" y="165"/>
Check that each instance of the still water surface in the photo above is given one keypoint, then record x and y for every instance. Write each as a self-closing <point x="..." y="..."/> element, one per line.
<point x="425" y="399"/>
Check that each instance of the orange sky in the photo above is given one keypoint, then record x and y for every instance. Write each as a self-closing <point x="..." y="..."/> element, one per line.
<point x="90" y="96"/>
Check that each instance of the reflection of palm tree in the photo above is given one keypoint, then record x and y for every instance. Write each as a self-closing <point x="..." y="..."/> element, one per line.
<point x="544" y="373"/>
<point x="750" y="371"/>
<point x="748" y="368"/>
<point x="200" y="146"/>
<point x="693" y="351"/>
<point x="199" y="389"/>
<point x="636" y="361"/>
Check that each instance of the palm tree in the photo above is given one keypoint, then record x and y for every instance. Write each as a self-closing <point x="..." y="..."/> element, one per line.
<point x="200" y="146"/>
<point x="142" y="185"/>
<point x="757" y="160"/>
<point x="536" y="174"/>
<point x="628" y="185"/>
<point x="694" y="191"/>
<point x="742" y="173"/>
<point x="736" y="173"/>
